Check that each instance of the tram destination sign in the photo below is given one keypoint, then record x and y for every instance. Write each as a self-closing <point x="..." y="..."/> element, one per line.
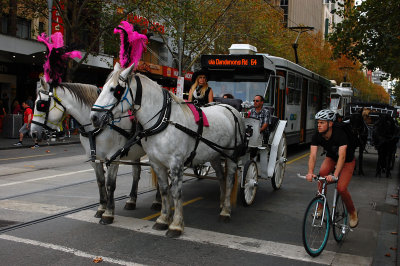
<point x="232" y="61"/>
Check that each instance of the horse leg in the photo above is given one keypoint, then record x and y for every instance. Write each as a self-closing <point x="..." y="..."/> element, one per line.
<point x="108" y="215"/>
<point x="219" y="172"/>
<point x="101" y="183"/>
<point x="164" y="219"/>
<point x="130" y="204"/>
<point x="156" y="205"/>
<point x="388" y="156"/>
<point x="175" y="229"/>
<point x="379" y="163"/>
<point x="231" y="167"/>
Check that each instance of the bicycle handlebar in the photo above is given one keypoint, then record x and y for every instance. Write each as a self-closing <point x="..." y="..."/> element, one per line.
<point x="320" y="178"/>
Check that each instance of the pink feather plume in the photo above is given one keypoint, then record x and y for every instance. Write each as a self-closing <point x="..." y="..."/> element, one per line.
<point x="133" y="44"/>
<point x="55" y="64"/>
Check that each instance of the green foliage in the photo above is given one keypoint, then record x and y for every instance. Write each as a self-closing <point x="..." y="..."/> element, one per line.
<point x="370" y="33"/>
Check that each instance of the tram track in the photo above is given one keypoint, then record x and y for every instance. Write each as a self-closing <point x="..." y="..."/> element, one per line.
<point x="72" y="211"/>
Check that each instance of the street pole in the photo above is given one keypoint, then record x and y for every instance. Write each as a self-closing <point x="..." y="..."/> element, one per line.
<point x="300" y="30"/>
<point x="50" y="7"/>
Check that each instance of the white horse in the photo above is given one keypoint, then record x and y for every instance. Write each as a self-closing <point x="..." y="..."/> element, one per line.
<point x="167" y="146"/>
<point x="77" y="99"/>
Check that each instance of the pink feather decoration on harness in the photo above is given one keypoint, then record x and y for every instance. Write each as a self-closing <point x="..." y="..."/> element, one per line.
<point x="133" y="44"/>
<point x="56" y="58"/>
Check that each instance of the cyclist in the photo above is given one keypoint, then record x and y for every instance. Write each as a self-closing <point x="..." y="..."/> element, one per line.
<point x="339" y="158"/>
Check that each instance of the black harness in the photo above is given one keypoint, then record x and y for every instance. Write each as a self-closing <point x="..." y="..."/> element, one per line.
<point x="44" y="106"/>
<point x="163" y="121"/>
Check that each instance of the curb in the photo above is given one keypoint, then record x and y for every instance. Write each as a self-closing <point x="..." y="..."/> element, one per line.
<point x="40" y="145"/>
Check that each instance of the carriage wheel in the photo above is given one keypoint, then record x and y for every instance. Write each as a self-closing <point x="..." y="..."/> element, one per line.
<point x="280" y="164"/>
<point x="201" y="170"/>
<point x="248" y="188"/>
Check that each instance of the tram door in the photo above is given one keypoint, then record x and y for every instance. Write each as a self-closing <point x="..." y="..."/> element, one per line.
<point x="280" y="90"/>
<point x="303" y="108"/>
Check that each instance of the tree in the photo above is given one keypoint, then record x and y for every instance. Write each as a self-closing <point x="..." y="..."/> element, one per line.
<point x="370" y="33"/>
<point x="85" y="22"/>
<point x="195" y="22"/>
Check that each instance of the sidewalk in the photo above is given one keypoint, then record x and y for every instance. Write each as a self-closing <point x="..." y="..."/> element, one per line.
<point x="8" y="143"/>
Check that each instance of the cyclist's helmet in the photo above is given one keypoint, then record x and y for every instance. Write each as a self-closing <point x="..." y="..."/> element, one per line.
<point x="325" y="114"/>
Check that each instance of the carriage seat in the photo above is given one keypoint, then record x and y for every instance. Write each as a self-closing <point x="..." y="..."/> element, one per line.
<point x="235" y="103"/>
<point x="274" y="123"/>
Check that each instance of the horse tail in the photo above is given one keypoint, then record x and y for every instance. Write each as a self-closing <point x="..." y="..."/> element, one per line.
<point x="235" y="189"/>
<point x="154" y="181"/>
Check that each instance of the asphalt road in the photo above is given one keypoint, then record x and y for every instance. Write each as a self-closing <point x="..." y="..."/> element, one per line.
<point x="48" y="197"/>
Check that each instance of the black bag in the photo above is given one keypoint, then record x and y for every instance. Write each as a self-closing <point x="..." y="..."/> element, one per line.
<point x="351" y="136"/>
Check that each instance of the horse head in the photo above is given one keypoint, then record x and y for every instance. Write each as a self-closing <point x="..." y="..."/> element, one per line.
<point x="48" y="112"/>
<point x="116" y="98"/>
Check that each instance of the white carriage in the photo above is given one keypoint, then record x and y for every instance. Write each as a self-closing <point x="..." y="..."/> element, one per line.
<point x="269" y="161"/>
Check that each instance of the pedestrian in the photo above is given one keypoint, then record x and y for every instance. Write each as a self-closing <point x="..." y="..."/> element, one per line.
<point x="17" y="110"/>
<point x="339" y="159"/>
<point x="28" y="116"/>
<point x="29" y="102"/>
<point x="6" y="103"/>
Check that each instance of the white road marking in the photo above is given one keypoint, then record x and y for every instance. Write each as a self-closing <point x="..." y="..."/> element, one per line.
<point x="32" y="207"/>
<point x="72" y="251"/>
<point x="44" y="178"/>
<point x="264" y="247"/>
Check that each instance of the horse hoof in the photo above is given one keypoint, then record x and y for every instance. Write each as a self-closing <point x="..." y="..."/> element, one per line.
<point x="130" y="206"/>
<point x="106" y="220"/>
<point x="160" y="227"/>
<point x="156" y="206"/>
<point x="225" y="219"/>
<point x="173" y="233"/>
<point x="99" y="214"/>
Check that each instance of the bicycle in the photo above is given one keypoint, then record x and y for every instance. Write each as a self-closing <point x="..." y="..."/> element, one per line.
<point x="318" y="220"/>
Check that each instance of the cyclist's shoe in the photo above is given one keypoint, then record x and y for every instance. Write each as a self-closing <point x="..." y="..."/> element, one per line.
<point x="18" y="143"/>
<point x="353" y="219"/>
<point x="35" y="146"/>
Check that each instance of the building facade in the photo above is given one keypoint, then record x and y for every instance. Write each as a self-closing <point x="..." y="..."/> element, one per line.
<point x="22" y="57"/>
<point x="319" y="14"/>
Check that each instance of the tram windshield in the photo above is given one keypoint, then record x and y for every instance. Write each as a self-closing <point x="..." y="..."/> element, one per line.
<point x="244" y="90"/>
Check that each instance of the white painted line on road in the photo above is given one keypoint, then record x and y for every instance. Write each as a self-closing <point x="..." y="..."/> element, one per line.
<point x="264" y="247"/>
<point x="72" y="251"/>
<point x="44" y="178"/>
<point x="25" y="206"/>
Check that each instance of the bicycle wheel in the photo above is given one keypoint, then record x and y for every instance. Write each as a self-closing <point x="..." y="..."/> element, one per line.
<point x="340" y="220"/>
<point x="315" y="227"/>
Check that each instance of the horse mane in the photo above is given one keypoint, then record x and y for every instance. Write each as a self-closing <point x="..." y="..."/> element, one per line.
<point x="85" y="93"/>
<point x="178" y="100"/>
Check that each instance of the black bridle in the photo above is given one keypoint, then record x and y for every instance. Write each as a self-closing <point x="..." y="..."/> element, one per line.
<point x="120" y="94"/>
<point x="44" y="107"/>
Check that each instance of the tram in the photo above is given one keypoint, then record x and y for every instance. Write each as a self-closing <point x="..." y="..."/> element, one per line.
<point x="341" y="96"/>
<point x="291" y="91"/>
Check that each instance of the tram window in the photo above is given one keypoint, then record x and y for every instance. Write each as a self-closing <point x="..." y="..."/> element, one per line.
<point x="291" y="81"/>
<point x="244" y="90"/>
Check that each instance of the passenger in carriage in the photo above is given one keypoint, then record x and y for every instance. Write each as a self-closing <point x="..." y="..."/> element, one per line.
<point x="263" y="114"/>
<point x="200" y="94"/>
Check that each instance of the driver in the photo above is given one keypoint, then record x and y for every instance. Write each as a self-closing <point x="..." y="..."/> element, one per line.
<point x="263" y="114"/>
<point x="339" y="159"/>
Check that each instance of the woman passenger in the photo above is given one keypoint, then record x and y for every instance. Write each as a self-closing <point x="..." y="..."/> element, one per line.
<point x="200" y="94"/>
